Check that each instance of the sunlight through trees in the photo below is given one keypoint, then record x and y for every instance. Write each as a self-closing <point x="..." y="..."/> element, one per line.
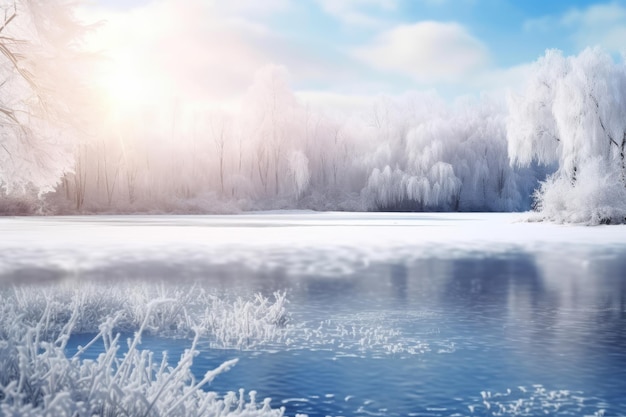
<point x="558" y="145"/>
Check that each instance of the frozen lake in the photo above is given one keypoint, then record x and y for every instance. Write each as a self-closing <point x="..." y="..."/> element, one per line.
<point x="388" y="314"/>
<point x="294" y="243"/>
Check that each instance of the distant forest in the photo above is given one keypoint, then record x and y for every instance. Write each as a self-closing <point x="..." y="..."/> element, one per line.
<point x="556" y="146"/>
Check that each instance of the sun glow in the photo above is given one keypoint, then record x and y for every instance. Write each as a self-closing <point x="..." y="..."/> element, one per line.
<point x="124" y="84"/>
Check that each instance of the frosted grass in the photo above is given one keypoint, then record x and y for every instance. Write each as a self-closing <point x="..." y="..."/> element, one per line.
<point x="181" y="311"/>
<point x="38" y="378"/>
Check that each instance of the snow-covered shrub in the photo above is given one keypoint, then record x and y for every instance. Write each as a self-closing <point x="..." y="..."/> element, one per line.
<point x="597" y="197"/>
<point x="38" y="378"/>
<point x="15" y="206"/>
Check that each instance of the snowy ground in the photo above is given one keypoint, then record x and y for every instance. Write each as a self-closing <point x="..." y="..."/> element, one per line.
<point x="330" y="244"/>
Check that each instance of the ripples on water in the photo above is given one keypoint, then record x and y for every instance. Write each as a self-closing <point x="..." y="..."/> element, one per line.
<point x="514" y="335"/>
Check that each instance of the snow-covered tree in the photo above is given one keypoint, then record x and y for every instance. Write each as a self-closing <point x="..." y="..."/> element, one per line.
<point x="571" y="114"/>
<point x="299" y="170"/>
<point x="40" y="91"/>
<point x="270" y="109"/>
<point x="453" y="158"/>
<point x="221" y="133"/>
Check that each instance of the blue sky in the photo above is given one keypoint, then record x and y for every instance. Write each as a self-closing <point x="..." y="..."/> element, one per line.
<point x="355" y="47"/>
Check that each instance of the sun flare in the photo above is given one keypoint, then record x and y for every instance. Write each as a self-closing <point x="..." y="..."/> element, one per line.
<point x="124" y="84"/>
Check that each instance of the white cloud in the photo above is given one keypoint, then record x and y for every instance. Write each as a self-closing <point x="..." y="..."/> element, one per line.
<point x="539" y="24"/>
<point x="200" y="50"/>
<point x="502" y="79"/>
<point x="595" y="15"/>
<point x="253" y="7"/>
<point x="194" y="50"/>
<point x="429" y="52"/>
<point x="597" y="25"/>
<point x="365" y="13"/>
<point x="206" y="52"/>
<point x="370" y="13"/>
<point x="602" y="24"/>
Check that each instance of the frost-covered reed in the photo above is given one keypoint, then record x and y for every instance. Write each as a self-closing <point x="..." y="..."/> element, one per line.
<point x="38" y="378"/>
<point x="237" y="324"/>
<point x="244" y="323"/>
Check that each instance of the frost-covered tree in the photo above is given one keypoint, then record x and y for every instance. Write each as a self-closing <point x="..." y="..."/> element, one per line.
<point x="221" y="132"/>
<point x="40" y="67"/>
<point x="452" y="158"/>
<point x="299" y="170"/>
<point x="571" y="115"/>
<point x="270" y="110"/>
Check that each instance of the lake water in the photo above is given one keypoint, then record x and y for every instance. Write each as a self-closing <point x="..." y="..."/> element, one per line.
<point x="391" y="315"/>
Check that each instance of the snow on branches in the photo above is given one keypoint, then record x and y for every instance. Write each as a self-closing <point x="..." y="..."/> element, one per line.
<point x="571" y="114"/>
<point x="39" y="92"/>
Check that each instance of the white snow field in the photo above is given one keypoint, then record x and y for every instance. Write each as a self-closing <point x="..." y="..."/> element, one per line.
<point x="329" y="243"/>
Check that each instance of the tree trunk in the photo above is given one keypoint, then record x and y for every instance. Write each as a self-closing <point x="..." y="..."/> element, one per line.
<point x="622" y="156"/>
<point x="222" y="169"/>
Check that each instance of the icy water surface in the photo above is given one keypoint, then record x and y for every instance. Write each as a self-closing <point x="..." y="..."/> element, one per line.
<point x="386" y="317"/>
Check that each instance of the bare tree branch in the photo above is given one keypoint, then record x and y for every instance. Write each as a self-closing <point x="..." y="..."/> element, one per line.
<point x="8" y="20"/>
<point x="7" y="151"/>
<point x="595" y="101"/>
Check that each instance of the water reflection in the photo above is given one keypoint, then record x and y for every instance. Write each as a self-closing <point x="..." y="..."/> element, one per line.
<point x="399" y="281"/>
<point x="514" y="321"/>
<point x="414" y="336"/>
